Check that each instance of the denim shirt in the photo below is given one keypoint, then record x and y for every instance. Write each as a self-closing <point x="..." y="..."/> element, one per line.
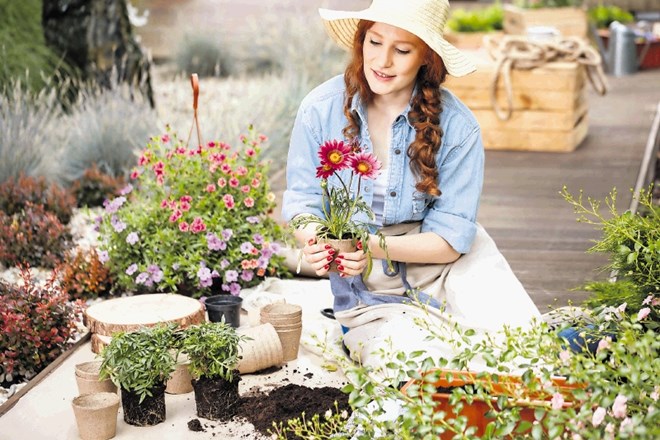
<point x="460" y="162"/>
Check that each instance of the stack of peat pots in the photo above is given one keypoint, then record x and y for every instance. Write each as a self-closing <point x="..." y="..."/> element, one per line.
<point x="287" y="321"/>
<point x="97" y="405"/>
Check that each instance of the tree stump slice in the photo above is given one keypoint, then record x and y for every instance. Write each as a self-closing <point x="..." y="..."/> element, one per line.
<point x="133" y="312"/>
<point x="99" y="342"/>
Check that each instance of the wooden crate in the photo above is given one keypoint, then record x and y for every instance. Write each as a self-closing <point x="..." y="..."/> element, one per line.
<point x="550" y="108"/>
<point x="569" y="21"/>
<point x="469" y="40"/>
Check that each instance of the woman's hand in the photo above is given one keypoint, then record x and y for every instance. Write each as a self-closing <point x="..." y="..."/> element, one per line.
<point x="319" y="256"/>
<point x="351" y="263"/>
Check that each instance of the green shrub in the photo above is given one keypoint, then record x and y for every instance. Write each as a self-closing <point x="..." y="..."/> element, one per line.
<point x="630" y="240"/>
<point x="83" y="276"/>
<point x="106" y="128"/>
<point x="212" y="348"/>
<point x="31" y="136"/>
<point x="23" y="50"/>
<point x="16" y="193"/>
<point x="477" y="20"/>
<point x="603" y="15"/>
<point x="37" y="323"/>
<point x="32" y="236"/>
<point x="95" y="186"/>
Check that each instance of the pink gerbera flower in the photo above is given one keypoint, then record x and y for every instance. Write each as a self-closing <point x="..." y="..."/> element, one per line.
<point x="365" y="164"/>
<point x="334" y="154"/>
<point x="324" y="171"/>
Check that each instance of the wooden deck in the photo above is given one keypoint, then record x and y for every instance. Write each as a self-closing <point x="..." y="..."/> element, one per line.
<point x="523" y="211"/>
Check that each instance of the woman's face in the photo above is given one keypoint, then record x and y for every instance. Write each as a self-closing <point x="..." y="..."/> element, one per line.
<point x="392" y="58"/>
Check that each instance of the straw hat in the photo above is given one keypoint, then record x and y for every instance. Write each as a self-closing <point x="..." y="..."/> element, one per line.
<point x="424" y="18"/>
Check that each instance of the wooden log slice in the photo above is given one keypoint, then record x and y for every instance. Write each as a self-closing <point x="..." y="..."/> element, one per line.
<point x="99" y="342"/>
<point x="130" y="313"/>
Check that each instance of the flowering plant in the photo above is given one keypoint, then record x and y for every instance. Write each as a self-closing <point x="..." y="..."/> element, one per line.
<point x="197" y="217"/>
<point x="342" y="203"/>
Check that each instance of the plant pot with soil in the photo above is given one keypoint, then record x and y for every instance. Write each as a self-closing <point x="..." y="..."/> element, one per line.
<point x="481" y="398"/>
<point x="213" y="351"/>
<point x="140" y="363"/>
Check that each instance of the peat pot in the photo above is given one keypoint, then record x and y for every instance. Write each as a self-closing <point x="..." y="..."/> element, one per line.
<point x="340" y="246"/>
<point x="87" y="379"/>
<point x="96" y="415"/>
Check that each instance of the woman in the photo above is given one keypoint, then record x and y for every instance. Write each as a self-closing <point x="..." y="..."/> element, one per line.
<point x="426" y="197"/>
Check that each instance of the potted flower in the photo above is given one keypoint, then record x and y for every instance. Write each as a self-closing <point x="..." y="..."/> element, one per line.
<point x="467" y="28"/>
<point x="140" y="363"/>
<point x="213" y="352"/>
<point x="343" y="168"/>
<point x="193" y="219"/>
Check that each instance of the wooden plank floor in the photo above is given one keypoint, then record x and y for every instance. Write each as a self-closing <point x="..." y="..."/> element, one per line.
<point x="521" y="207"/>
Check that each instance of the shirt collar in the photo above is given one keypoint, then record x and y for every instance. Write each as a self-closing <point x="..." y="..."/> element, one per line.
<point x="357" y="106"/>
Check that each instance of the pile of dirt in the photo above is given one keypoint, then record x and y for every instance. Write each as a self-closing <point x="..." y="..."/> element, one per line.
<point x="289" y="402"/>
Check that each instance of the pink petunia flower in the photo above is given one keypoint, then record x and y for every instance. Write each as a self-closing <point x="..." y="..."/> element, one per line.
<point x="222" y="182"/>
<point x="197" y="225"/>
<point x="210" y="188"/>
<point x="250" y="152"/>
<point x="365" y="165"/>
<point x="245" y="188"/>
<point x="604" y="344"/>
<point x="233" y="182"/>
<point x="249" y="202"/>
<point x="176" y="215"/>
<point x="225" y="168"/>
<point x="229" y="201"/>
<point x="335" y="154"/>
<point x="135" y="174"/>
<point x="241" y="171"/>
<point x="255" y="183"/>
<point x="184" y="226"/>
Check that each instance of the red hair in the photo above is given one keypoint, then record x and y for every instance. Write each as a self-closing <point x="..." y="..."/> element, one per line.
<point x="424" y="114"/>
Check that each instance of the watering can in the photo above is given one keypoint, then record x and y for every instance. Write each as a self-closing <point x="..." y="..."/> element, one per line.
<point x="621" y="56"/>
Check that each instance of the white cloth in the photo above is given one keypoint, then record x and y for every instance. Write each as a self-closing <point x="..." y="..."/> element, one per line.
<point x="480" y="292"/>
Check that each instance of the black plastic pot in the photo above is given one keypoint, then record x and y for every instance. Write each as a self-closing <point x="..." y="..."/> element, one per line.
<point x="227" y="307"/>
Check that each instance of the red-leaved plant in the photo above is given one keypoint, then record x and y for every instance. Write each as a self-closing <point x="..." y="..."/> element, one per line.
<point x="37" y="323"/>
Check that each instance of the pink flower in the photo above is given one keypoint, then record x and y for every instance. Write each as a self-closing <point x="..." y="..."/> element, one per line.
<point x="185" y="199"/>
<point x="250" y="152"/>
<point x="225" y="168"/>
<point x="165" y="203"/>
<point x="159" y="180"/>
<point x="334" y="154"/>
<point x="222" y="182"/>
<point x="263" y="137"/>
<point x="619" y="408"/>
<point x="135" y="174"/>
<point x="245" y="188"/>
<point x="557" y="401"/>
<point x="241" y="171"/>
<point x="255" y="183"/>
<point x="210" y="188"/>
<point x="176" y="215"/>
<point x="233" y="182"/>
<point x="604" y="344"/>
<point x="643" y="313"/>
<point x="249" y="202"/>
<point x="165" y="138"/>
<point x="211" y="144"/>
<point x="183" y="227"/>
<point x="159" y="168"/>
<point x="622" y="307"/>
<point x="324" y="171"/>
<point x="197" y="225"/>
<point x="144" y="159"/>
<point x="564" y="356"/>
<point x="229" y="201"/>
<point x="625" y="424"/>
<point x="598" y="417"/>
<point x="365" y="165"/>
<point x="647" y="300"/>
<point x="185" y="206"/>
<point x="243" y="138"/>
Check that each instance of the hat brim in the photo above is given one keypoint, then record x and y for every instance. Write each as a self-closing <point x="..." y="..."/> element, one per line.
<point x="342" y="25"/>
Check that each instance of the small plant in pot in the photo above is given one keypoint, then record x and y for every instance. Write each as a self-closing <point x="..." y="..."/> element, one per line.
<point x="213" y="351"/>
<point x="345" y="223"/>
<point x="140" y="363"/>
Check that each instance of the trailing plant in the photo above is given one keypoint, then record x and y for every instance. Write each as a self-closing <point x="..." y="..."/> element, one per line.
<point x="37" y="324"/>
<point x="30" y="131"/>
<point x="16" y="193"/>
<point x="212" y="349"/>
<point x="197" y="217"/>
<point x="140" y="360"/>
<point x="32" y="236"/>
<point x="477" y="20"/>
<point x="631" y="240"/>
<point x="611" y="393"/>
<point x="94" y="187"/>
<point x="83" y="276"/>
<point x="613" y="293"/>
<point x="603" y="15"/>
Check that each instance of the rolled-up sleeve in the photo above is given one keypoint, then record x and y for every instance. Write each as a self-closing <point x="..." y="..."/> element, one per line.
<point x="453" y="214"/>
<point x="303" y="192"/>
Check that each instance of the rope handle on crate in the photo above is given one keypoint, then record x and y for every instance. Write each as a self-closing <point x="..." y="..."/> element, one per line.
<point x="513" y="52"/>
<point x="194" y="82"/>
